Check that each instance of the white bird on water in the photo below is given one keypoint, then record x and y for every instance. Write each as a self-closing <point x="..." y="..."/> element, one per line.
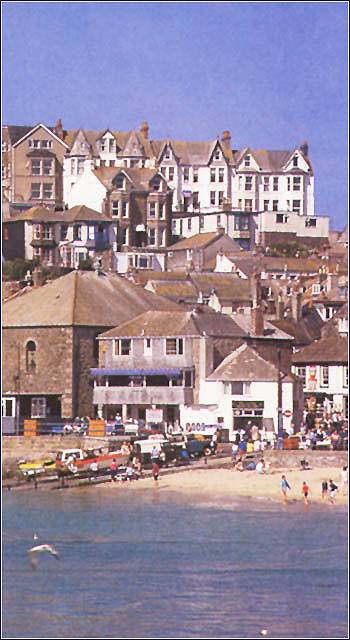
<point x="38" y="549"/>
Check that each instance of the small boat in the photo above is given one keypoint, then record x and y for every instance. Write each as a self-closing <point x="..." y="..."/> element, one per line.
<point x="36" y="467"/>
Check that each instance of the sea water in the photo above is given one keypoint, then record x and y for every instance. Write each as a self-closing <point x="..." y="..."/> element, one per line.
<point x="144" y="564"/>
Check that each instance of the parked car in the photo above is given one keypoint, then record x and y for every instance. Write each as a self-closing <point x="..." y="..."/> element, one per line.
<point x="199" y="447"/>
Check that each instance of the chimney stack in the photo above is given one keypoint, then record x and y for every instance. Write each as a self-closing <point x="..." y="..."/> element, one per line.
<point x="255" y="289"/>
<point x="257" y="320"/>
<point x="59" y="129"/>
<point x="226" y="139"/>
<point x="144" y="129"/>
<point x="280" y="307"/>
<point x="297" y="305"/>
<point x="304" y="148"/>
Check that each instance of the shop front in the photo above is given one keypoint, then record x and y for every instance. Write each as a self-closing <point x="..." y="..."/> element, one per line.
<point x="246" y="413"/>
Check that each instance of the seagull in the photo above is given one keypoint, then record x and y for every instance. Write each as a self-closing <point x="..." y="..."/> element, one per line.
<point x="35" y="536"/>
<point x="38" y="549"/>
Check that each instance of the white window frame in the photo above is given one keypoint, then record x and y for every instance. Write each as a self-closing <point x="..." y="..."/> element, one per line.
<point x="275" y="183"/>
<point x="248" y="183"/>
<point x="345" y="376"/>
<point x="118" y="347"/>
<point x="48" y="197"/>
<point x="324" y="376"/>
<point x="36" y="170"/>
<point x="247" y="160"/>
<point x="179" y="342"/>
<point x="152" y="210"/>
<point x="147" y="347"/>
<point x="266" y="183"/>
<point x="151" y="237"/>
<point x="35" y="197"/>
<point x="38" y="407"/>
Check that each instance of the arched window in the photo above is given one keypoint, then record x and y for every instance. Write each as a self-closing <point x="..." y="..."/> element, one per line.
<point x="31" y="356"/>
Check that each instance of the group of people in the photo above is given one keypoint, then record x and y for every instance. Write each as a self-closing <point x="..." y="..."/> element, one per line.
<point x="328" y="487"/>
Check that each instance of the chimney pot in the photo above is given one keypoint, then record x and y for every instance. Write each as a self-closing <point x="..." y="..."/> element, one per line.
<point x="144" y="129"/>
<point x="226" y="139"/>
<point x="59" y="128"/>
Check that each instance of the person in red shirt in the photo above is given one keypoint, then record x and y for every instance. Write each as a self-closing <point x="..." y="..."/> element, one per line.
<point x="113" y="470"/>
<point x="305" y="491"/>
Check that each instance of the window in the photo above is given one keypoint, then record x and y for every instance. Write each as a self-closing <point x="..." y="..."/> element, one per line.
<point x="266" y="205"/>
<point x="195" y="175"/>
<point x="115" y="207"/>
<point x="167" y="154"/>
<point x="186" y="174"/>
<point x="47" y="255"/>
<point x="195" y="199"/>
<point x="189" y="382"/>
<point x="174" y="346"/>
<point x="124" y="235"/>
<point x="301" y="373"/>
<point x="152" y="210"/>
<point x="35" y="190"/>
<point x="47" y="167"/>
<point x="240" y="183"/>
<point x="124" y="209"/>
<point x="316" y="289"/>
<point x="247" y="161"/>
<point x="248" y="205"/>
<point x="36" y="167"/>
<point x="266" y="183"/>
<point x="47" y="190"/>
<point x="181" y="227"/>
<point x="288" y="184"/>
<point x="47" y="232"/>
<point x="241" y="223"/>
<point x="296" y="206"/>
<point x="171" y="172"/>
<point x="221" y="175"/>
<point x="218" y="220"/>
<point x="295" y="161"/>
<point x="77" y="232"/>
<point x="239" y="388"/>
<point x="30" y="356"/>
<point x="34" y="144"/>
<point x="310" y="222"/>
<point x="162" y="210"/>
<point x="217" y="154"/>
<point x="221" y="197"/>
<point x="274" y="205"/>
<point x="156" y="184"/>
<point x="275" y="184"/>
<point x="280" y="218"/>
<point x="212" y="175"/>
<point x="122" y="347"/>
<point x="240" y="203"/>
<point x="38" y="408"/>
<point x="147" y="346"/>
<point x="296" y="184"/>
<point x="63" y="231"/>
<point x="120" y="181"/>
<point x="345" y="377"/>
<point x="324" y="376"/>
<point x="36" y="232"/>
<point x="46" y="144"/>
<point x="248" y="183"/>
<point x="212" y="197"/>
<point x="152" y="237"/>
<point x="91" y="232"/>
<point x="201" y="222"/>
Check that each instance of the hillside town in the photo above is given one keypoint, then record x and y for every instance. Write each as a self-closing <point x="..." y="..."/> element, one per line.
<point x="170" y="284"/>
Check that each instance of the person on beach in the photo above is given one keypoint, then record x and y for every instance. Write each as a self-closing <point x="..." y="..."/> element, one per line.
<point x="324" y="488"/>
<point x="234" y="451"/>
<point x="344" y="478"/>
<point x="113" y="470"/>
<point x="284" y="487"/>
<point x="260" y="467"/>
<point x="332" y="491"/>
<point x="305" y="491"/>
<point x="155" y="470"/>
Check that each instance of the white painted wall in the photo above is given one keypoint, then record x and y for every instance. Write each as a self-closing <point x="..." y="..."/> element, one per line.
<point x="88" y="190"/>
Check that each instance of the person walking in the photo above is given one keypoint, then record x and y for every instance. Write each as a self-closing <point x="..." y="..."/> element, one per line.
<point x="284" y="488"/>
<point x="155" y="470"/>
<point x="324" y="489"/>
<point x="305" y="491"/>
<point x="332" y="491"/>
<point x="113" y="470"/>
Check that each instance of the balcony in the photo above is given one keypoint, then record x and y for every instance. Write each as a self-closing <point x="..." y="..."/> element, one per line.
<point x="143" y="395"/>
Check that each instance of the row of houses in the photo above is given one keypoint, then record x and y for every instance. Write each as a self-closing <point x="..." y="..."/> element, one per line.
<point x="92" y="343"/>
<point x="257" y="196"/>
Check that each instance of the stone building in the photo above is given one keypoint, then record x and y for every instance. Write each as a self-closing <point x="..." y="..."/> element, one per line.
<point x="49" y="339"/>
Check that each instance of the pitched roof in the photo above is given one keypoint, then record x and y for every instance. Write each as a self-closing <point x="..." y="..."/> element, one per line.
<point x="139" y="177"/>
<point x="270" y="331"/>
<point x="227" y="286"/>
<point x="296" y="329"/>
<point x="38" y="214"/>
<point x="245" y="364"/>
<point x="198" y="241"/>
<point x="81" y="213"/>
<point x="176" y="290"/>
<point x="81" y="298"/>
<point x="330" y="349"/>
<point x="178" y="323"/>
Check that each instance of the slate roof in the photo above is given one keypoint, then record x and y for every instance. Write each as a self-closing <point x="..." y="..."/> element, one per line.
<point x="200" y="241"/>
<point x="245" y="364"/>
<point x="80" y="213"/>
<point x="227" y="286"/>
<point x="331" y="349"/>
<point x="82" y="298"/>
<point x="139" y="178"/>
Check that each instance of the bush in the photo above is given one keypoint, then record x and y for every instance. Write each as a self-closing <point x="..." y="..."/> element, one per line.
<point x="16" y="269"/>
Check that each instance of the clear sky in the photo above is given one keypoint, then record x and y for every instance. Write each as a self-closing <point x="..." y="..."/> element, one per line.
<point x="273" y="73"/>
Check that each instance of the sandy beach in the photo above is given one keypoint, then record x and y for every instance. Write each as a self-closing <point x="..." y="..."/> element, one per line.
<point x="222" y="484"/>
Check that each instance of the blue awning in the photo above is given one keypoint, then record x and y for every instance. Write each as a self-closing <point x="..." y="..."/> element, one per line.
<point x="135" y="372"/>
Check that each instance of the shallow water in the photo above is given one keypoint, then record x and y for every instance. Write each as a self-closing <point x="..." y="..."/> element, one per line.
<point x="147" y="565"/>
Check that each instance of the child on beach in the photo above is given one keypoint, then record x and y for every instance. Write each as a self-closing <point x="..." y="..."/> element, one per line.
<point x="305" y="491"/>
<point x="155" y="470"/>
<point x="284" y="487"/>
<point x="332" y="491"/>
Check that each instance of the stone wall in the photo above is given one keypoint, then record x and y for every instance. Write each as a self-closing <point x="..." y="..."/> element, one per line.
<point x="291" y="459"/>
<point x="15" y="448"/>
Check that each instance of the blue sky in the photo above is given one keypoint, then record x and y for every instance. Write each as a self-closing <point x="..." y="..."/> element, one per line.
<point x="274" y="74"/>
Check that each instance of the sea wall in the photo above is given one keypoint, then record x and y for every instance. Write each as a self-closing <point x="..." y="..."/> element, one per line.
<point x="291" y="459"/>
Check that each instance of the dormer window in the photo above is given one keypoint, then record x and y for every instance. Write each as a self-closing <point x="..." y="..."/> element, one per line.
<point x="30" y="356"/>
<point x="120" y="181"/>
<point x="156" y="184"/>
<point x="247" y="161"/>
<point x="295" y="161"/>
<point x="167" y="154"/>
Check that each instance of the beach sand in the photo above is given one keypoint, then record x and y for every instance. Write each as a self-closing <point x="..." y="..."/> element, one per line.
<point x="214" y="484"/>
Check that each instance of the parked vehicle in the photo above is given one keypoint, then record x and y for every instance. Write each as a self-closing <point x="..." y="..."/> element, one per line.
<point x="35" y="468"/>
<point x="77" y="459"/>
<point x="198" y="447"/>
